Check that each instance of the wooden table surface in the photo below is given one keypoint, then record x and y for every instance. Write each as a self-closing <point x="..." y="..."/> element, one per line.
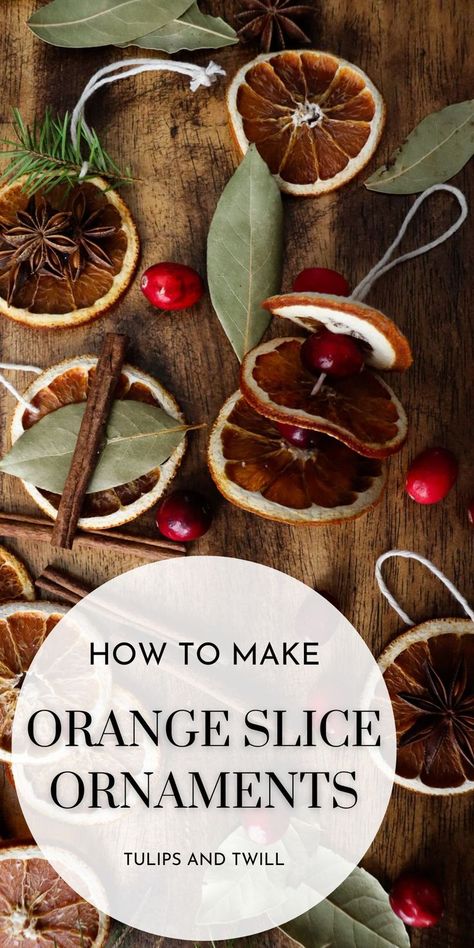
<point x="416" y="51"/>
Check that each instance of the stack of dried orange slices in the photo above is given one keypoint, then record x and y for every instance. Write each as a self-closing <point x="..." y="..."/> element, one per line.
<point x="355" y="421"/>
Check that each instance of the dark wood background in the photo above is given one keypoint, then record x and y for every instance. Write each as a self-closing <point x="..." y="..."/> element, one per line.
<point x="416" y="51"/>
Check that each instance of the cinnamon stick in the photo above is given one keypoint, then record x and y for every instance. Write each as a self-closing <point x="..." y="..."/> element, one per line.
<point x="62" y="585"/>
<point x="89" y="440"/>
<point x="27" y="527"/>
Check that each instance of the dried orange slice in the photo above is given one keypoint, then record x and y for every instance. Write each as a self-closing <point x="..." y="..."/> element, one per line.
<point x="360" y="410"/>
<point x="429" y="673"/>
<point x="255" y="468"/>
<point x="15" y="580"/>
<point x="314" y="118"/>
<point x="39" y="910"/>
<point x="44" y="300"/>
<point x="385" y="347"/>
<point x="23" y="629"/>
<point x="68" y="382"/>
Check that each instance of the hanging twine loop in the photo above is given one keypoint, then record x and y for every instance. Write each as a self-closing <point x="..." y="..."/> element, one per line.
<point x="199" y="76"/>
<point x="406" y="554"/>
<point x="385" y="263"/>
<point x="11" y="388"/>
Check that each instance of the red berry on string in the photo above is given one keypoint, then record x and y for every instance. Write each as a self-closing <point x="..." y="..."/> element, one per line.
<point x="321" y="280"/>
<point x="171" y="286"/>
<point x="184" y="515"/>
<point x="265" y="827"/>
<point x="299" y="437"/>
<point x="417" y="900"/>
<point x="470" y="512"/>
<point x="431" y="475"/>
<point x="332" y="353"/>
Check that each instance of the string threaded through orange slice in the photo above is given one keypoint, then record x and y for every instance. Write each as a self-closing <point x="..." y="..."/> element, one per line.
<point x="314" y="118"/>
<point x="256" y="469"/>
<point x="359" y="410"/>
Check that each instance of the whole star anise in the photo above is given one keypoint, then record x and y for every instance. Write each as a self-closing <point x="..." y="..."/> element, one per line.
<point x="272" y="22"/>
<point x="38" y="239"/>
<point x="88" y="232"/>
<point x="444" y="713"/>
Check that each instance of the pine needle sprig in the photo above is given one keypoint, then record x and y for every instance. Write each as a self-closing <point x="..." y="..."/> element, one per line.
<point x="43" y="153"/>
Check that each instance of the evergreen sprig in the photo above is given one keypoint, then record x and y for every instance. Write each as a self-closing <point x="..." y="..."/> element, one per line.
<point x="43" y="153"/>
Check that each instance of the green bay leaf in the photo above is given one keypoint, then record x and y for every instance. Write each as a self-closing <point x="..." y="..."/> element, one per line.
<point x="139" y="438"/>
<point x="87" y="23"/>
<point x="356" y="915"/>
<point x="193" y="30"/>
<point x="433" y="152"/>
<point x="244" y="252"/>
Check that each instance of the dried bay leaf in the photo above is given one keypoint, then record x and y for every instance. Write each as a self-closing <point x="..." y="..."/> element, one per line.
<point x="139" y="438"/>
<point x="356" y="915"/>
<point x="193" y="30"/>
<point x="244" y="252"/>
<point x="433" y="152"/>
<point x="90" y="23"/>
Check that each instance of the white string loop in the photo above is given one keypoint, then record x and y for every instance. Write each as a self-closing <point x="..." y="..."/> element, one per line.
<point x="405" y="554"/>
<point x="199" y="76"/>
<point x="11" y="388"/>
<point x="383" y="266"/>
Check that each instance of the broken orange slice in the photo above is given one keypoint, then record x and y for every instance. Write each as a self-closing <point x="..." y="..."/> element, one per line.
<point x="314" y="118"/>
<point x="15" y="580"/>
<point x="256" y="469"/>
<point x="359" y="410"/>
<point x="384" y="346"/>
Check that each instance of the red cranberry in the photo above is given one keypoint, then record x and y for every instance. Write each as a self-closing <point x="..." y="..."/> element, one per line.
<point x="470" y="512"/>
<point x="332" y="353"/>
<point x="265" y="827"/>
<point x="321" y="280"/>
<point x="418" y="901"/>
<point x="184" y="515"/>
<point x="431" y="475"/>
<point x="299" y="437"/>
<point x="171" y="286"/>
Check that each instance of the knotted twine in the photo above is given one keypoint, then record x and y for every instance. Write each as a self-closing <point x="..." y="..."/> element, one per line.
<point x="206" y="76"/>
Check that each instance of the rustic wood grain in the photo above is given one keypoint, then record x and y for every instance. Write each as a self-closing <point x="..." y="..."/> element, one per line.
<point x="416" y="51"/>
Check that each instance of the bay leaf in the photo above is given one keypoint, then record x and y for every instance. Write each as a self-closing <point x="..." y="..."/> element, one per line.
<point x="433" y="152"/>
<point x="90" y="23"/>
<point x="356" y="915"/>
<point x="244" y="252"/>
<point x="193" y="30"/>
<point x="139" y="438"/>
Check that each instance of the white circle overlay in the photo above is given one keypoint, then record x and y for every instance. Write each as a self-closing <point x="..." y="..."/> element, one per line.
<point x="202" y="733"/>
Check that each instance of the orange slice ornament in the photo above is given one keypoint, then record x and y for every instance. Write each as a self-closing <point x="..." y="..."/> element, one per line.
<point x="255" y="468"/>
<point x="314" y="118"/>
<point x="429" y="674"/>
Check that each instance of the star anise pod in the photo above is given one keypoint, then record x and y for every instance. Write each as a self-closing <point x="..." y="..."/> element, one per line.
<point x="88" y="232"/>
<point x="444" y="713"/>
<point x="38" y="239"/>
<point x="273" y="22"/>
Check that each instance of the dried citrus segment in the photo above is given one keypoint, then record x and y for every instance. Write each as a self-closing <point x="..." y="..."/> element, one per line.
<point x="429" y="673"/>
<point x="23" y="629"/>
<point x="15" y="580"/>
<point x="385" y="347"/>
<point x="43" y="300"/>
<point x="69" y="382"/>
<point x="360" y="410"/>
<point x="37" y="908"/>
<point x="255" y="468"/>
<point x="314" y="118"/>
